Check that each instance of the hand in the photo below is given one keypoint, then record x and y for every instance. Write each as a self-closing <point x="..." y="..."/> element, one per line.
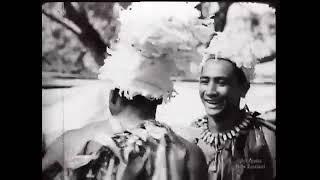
<point x="170" y="160"/>
<point x="135" y="165"/>
<point x="108" y="172"/>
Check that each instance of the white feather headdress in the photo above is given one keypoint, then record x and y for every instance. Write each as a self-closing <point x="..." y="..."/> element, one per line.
<point x="153" y="35"/>
<point x="236" y="48"/>
<point x="238" y="45"/>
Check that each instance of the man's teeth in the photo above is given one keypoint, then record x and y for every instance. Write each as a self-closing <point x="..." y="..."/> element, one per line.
<point x="212" y="102"/>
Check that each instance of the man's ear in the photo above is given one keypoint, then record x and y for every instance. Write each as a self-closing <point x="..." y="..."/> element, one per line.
<point x="244" y="89"/>
<point x="112" y="97"/>
<point x="114" y="102"/>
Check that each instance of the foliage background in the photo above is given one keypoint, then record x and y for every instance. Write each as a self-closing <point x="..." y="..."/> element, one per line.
<point x="75" y="35"/>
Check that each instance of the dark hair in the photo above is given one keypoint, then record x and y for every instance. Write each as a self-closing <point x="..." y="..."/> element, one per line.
<point x="242" y="79"/>
<point x="136" y="101"/>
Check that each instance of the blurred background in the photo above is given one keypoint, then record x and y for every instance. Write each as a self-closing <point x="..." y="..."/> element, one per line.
<point x="75" y="37"/>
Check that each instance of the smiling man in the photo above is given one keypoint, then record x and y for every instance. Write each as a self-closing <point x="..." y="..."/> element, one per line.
<point x="235" y="141"/>
<point x="220" y="91"/>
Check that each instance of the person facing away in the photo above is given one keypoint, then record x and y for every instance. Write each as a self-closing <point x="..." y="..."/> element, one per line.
<point x="238" y="144"/>
<point x="132" y="144"/>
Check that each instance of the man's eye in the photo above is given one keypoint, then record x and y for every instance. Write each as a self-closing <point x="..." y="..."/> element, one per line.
<point x="204" y="81"/>
<point x="222" y="82"/>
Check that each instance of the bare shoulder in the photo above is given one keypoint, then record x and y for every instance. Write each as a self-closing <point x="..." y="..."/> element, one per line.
<point x="186" y="136"/>
<point x="71" y="143"/>
<point x="55" y="151"/>
<point x="76" y="137"/>
<point x="189" y="133"/>
<point x="195" y="151"/>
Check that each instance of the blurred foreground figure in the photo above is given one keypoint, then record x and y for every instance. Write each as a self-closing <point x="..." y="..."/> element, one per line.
<point x="238" y="145"/>
<point x="132" y="144"/>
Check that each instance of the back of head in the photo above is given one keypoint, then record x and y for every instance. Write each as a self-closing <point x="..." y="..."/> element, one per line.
<point x="118" y="102"/>
<point x="152" y="38"/>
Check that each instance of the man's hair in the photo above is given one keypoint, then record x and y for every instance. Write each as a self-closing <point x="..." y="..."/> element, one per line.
<point x="136" y="101"/>
<point x="241" y="77"/>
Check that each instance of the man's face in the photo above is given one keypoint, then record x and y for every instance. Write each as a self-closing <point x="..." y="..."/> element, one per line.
<point x="219" y="88"/>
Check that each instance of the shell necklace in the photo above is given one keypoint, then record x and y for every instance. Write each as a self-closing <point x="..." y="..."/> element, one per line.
<point x="215" y="140"/>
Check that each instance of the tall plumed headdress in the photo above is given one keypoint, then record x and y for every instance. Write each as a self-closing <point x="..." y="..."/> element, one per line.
<point x="153" y="36"/>
<point x="238" y="45"/>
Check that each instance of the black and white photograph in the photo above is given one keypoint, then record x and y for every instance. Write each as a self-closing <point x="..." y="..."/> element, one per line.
<point x="159" y="90"/>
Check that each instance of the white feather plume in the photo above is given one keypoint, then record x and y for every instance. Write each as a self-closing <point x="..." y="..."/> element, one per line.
<point x="152" y="37"/>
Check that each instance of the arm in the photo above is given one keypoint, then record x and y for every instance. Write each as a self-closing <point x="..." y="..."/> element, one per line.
<point x="259" y="146"/>
<point x="271" y="142"/>
<point x="197" y="166"/>
<point x="64" y="147"/>
<point x="52" y="160"/>
<point x="267" y="122"/>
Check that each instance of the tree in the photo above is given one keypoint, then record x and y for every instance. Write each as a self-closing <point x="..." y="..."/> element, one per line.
<point x="75" y="35"/>
<point x="88" y="36"/>
<point x="87" y="27"/>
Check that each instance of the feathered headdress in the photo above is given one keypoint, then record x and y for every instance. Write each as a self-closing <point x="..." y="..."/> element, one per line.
<point x="236" y="45"/>
<point x="152" y="37"/>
